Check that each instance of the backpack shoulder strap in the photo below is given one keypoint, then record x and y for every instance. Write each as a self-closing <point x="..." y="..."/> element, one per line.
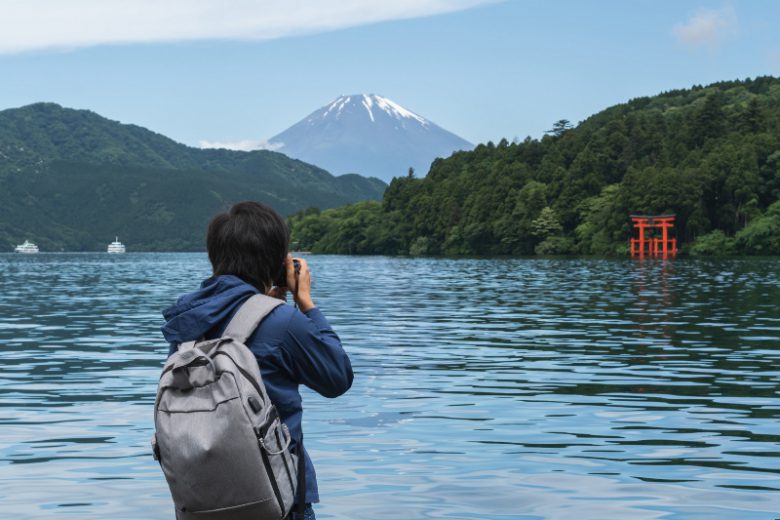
<point x="187" y="345"/>
<point x="249" y="316"/>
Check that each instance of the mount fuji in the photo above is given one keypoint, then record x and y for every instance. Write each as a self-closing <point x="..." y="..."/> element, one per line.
<point x="369" y="135"/>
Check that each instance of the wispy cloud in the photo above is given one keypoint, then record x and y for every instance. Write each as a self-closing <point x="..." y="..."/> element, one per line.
<point x="41" y="24"/>
<point x="245" y="145"/>
<point x="707" y="28"/>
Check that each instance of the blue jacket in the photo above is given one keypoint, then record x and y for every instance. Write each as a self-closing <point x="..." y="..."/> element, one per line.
<point x="291" y="347"/>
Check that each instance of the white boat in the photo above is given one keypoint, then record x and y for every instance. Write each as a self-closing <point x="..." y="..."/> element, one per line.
<point x="27" y="248"/>
<point x="116" y="246"/>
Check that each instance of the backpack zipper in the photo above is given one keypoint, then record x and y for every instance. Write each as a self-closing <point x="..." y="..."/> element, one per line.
<point x="284" y="459"/>
<point x="271" y="476"/>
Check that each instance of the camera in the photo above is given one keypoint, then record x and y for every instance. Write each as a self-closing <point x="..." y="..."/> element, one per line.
<point x="281" y="278"/>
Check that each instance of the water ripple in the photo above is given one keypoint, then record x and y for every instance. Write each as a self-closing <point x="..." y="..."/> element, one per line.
<point x="486" y="389"/>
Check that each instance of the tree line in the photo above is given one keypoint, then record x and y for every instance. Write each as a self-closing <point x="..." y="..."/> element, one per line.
<point x="710" y="155"/>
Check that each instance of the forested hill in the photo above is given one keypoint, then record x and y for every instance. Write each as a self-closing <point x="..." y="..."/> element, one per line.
<point x="709" y="154"/>
<point x="72" y="180"/>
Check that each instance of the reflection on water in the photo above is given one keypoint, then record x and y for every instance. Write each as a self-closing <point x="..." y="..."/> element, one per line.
<point x="484" y="388"/>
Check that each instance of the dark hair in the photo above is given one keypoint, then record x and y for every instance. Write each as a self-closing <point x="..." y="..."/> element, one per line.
<point x="249" y="241"/>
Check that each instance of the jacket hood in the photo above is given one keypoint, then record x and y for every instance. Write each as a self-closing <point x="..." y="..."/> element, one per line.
<point x="195" y="313"/>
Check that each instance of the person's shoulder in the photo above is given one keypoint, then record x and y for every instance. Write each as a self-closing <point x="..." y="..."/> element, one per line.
<point x="283" y="312"/>
<point x="273" y="326"/>
<point x="287" y="322"/>
<point x="290" y="318"/>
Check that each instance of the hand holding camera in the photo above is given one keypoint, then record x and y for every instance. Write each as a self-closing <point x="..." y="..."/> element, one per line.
<point x="296" y="278"/>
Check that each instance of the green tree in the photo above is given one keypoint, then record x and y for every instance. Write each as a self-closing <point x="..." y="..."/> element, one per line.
<point x="710" y="119"/>
<point x="762" y="236"/>
<point x="560" y="127"/>
<point x="546" y="224"/>
<point x="713" y="243"/>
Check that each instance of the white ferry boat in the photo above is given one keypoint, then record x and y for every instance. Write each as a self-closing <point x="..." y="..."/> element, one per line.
<point x="116" y="246"/>
<point x="27" y="248"/>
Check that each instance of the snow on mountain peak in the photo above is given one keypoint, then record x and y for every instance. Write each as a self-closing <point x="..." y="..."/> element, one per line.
<point x="368" y="103"/>
<point x="371" y="102"/>
<point x="370" y="135"/>
<point x="396" y="110"/>
<point x="338" y="105"/>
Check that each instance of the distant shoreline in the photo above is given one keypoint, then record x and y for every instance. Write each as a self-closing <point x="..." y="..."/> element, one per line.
<point x="422" y="257"/>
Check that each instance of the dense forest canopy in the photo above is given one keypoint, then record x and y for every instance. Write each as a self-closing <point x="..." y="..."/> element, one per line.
<point x="710" y="155"/>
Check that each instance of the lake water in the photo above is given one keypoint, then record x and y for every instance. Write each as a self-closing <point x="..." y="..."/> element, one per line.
<point x="485" y="389"/>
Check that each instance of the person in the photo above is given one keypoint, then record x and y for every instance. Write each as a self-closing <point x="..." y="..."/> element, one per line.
<point x="248" y="250"/>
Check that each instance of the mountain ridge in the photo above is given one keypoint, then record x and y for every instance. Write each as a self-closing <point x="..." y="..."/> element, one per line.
<point x="367" y="134"/>
<point x="45" y="144"/>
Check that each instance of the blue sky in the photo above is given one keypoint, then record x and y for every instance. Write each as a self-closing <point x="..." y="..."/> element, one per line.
<point x="197" y="71"/>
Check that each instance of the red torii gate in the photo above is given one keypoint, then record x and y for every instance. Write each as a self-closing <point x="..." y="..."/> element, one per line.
<point x="651" y="244"/>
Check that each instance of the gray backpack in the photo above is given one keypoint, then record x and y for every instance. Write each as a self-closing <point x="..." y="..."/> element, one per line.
<point x="218" y="438"/>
